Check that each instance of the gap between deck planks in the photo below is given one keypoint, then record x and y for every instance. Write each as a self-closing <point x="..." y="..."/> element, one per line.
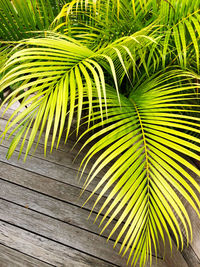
<point x="34" y="165"/>
<point x="45" y="249"/>
<point x="51" y="207"/>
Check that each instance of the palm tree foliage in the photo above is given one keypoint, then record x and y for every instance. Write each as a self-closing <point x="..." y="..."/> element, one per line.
<point x="20" y="19"/>
<point x="23" y="18"/>
<point x="133" y="67"/>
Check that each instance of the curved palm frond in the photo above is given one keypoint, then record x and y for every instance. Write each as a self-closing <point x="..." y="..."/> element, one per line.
<point x="144" y="139"/>
<point x="50" y="71"/>
<point x="184" y="37"/>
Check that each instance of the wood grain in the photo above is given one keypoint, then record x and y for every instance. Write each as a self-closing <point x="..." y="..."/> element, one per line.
<point x="66" y="212"/>
<point x="45" y="250"/>
<point x="13" y="258"/>
<point x="60" y="232"/>
<point x="48" y="186"/>
<point x="51" y="233"/>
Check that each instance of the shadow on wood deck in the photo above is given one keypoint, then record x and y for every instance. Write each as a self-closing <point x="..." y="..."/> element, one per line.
<point x="42" y="222"/>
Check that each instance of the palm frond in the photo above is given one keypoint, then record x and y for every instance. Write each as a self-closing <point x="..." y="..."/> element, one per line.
<point x="48" y="72"/>
<point x="184" y="37"/>
<point x="53" y="70"/>
<point x="99" y="20"/>
<point x="145" y="142"/>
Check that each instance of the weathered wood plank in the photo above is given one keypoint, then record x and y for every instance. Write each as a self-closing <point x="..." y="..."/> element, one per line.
<point x="12" y="109"/>
<point x="73" y="237"/>
<point x="64" y="155"/>
<point x="71" y="139"/>
<point x="49" y="169"/>
<point x="45" y="249"/>
<point x="59" y="160"/>
<point x="195" y="220"/>
<point x="192" y="253"/>
<point x="66" y="212"/>
<point x="43" y="167"/>
<point x="66" y="148"/>
<point x="60" y="232"/>
<point x="13" y="258"/>
<point x="51" y="207"/>
<point x="190" y="257"/>
<point x="54" y="192"/>
<point x="45" y="185"/>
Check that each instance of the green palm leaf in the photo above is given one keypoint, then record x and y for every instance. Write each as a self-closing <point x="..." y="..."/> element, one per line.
<point x="55" y="69"/>
<point x="51" y="80"/>
<point x="146" y="147"/>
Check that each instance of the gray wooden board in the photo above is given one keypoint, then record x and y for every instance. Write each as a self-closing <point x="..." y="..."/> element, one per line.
<point x="46" y="186"/>
<point x="36" y="165"/>
<point x="46" y="250"/>
<point x="66" y="212"/>
<point x="60" y="233"/>
<point x="43" y="167"/>
<point x="6" y="116"/>
<point x="13" y="258"/>
<point x="65" y="147"/>
<point x="49" y="186"/>
<point x="71" y="139"/>
<point x="192" y="253"/>
<point x="64" y="155"/>
<point x="52" y="170"/>
<point x="54" y="208"/>
<point x="190" y="257"/>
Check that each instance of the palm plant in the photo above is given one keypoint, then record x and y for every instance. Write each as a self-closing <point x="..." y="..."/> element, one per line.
<point x="133" y="67"/>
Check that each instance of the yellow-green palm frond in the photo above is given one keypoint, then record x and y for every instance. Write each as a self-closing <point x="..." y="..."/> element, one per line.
<point x="47" y="74"/>
<point x="181" y="41"/>
<point x="146" y="143"/>
<point x="109" y="58"/>
<point x="95" y="5"/>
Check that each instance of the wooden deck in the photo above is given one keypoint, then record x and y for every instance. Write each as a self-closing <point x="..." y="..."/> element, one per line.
<point x="42" y="222"/>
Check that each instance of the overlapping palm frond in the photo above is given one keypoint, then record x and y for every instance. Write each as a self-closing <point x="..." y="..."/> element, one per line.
<point x="180" y="20"/>
<point x="20" y="19"/>
<point x="99" y="20"/>
<point x="144" y="139"/>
